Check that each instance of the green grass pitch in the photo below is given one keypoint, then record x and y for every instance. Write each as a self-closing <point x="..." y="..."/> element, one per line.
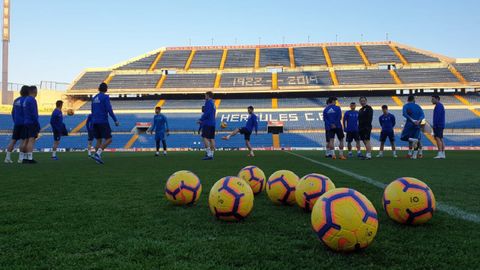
<point x="75" y="214"/>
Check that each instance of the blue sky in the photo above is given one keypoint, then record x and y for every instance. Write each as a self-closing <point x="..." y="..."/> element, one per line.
<point x="56" y="39"/>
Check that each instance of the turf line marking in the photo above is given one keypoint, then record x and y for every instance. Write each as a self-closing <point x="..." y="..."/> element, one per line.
<point x="450" y="210"/>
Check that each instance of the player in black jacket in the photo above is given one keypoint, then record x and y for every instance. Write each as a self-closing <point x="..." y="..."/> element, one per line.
<point x="365" y="116"/>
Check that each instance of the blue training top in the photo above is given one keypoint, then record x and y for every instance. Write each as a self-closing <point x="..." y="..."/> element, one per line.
<point x="350" y="121"/>
<point x="412" y="112"/>
<point x="56" y="120"/>
<point x="252" y="123"/>
<point x="159" y="124"/>
<point x="30" y="111"/>
<point x="17" y="111"/>
<point x="208" y="116"/>
<point x="101" y="109"/>
<point x="439" y="116"/>
<point x="387" y="122"/>
<point x="332" y="114"/>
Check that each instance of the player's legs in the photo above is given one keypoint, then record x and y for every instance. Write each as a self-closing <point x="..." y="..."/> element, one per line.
<point x="382" y="146"/>
<point x="56" y="143"/>
<point x="89" y="147"/>
<point x="249" y="147"/>
<point x="11" y="145"/>
<point x="341" y="144"/>
<point x="206" y="143"/>
<point x="233" y="133"/>
<point x="157" y="146"/>
<point x="164" y="144"/>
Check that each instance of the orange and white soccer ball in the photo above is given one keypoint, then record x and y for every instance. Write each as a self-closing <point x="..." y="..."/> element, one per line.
<point x="344" y="220"/>
<point x="183" y="188"/>
<point x="310" y="188"/>
<point x="255" y="177"/>
<point x="281" y="187"/>
<point x="231" y="199"/>
<point x="409" y="201"/>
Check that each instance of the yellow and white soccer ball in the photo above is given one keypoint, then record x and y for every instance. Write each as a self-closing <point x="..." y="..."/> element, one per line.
<point x="310" y="188"/>
<point x="183" y="188"/>
<point x="344" y="220"/>
<point x="255" y="177"/>
<point x="231" y="199"/>
<point x="281" y="187"/>
<point x="409" y="201"/>
<point x="223" y="125"/>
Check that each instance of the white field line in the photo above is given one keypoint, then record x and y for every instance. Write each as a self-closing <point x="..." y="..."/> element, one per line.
<point x="450" y="210"/>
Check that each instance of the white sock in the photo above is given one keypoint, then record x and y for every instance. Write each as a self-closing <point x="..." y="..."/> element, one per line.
<point x="54" y="153"/>
<point x="359" y="151"/>
<point x="340" y="152"/>
<point x="99" y="151"/>
<point x="30" y="156"/>
<point x="394" y="152"/>
<point x="410" y="152"/>
<point x="21" y="156"/>
<point x="9" y="154"/>
<point x="369" y="155"/>
<point x="380" y="153"/>
<point x="211" y="153"/>
<point x="349" y="152"/>
<point x="420" y="151"/>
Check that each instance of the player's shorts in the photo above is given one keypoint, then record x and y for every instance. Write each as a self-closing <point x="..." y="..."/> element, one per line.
<point x="410" y="132"/>
<point x="159" y="136"/>
<point x="326" y="136"/>
<point x="352" y="136"/>
<point x="387" y="134"/>
<point x="246" y="133"/>
<point x="364" y="134"/>
<point x="18" y="132"/>
<point x="438" y="133"/>
<point x="31" y="131"/>
<point x="102" y="131"/>
<point x="90" y="135"/>
<point x="57" y="136"/>
<point x="335" y="131"/>
<point x="208" y="132"/>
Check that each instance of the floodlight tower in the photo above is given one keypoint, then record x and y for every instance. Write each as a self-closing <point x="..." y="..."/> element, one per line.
<point x="6" y="96"/>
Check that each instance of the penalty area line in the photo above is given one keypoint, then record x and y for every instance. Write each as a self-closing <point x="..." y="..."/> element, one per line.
<point x="443" y="207"/>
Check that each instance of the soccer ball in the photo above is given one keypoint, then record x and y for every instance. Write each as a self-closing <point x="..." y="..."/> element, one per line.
<point x="344" y="220"/>
<point x="223" y="125"/>
<point x="255" y="177"/>
<point x="70" y="112"/>
<point x="231" y="199"/>
<point x="183" y="188"/>
<point x="409" y="201"/>
<point x="281" y="187"/>
<point x="310" y="188"/>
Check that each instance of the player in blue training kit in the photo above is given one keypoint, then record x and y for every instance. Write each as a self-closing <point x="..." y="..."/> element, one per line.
<point x="159" y="126"/>
<point x="411" y="131"/>
<point x="58" y="127"/>
<point x="332" y="116"/>
<point x="387" y="122"/>
<point x="89" y="126"/>
<point x="31" y="124"/>
<point x="101" y="109"/>
<point x="18" y="126"/>
<point x="246" y="131"/>
<point x="207" y="122"/>
<point x="350" y="124"/>
<point x="438" y="126"/>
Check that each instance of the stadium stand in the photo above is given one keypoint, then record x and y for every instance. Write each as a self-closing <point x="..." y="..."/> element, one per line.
<point x="90" y="80"/>
<point x="274" y="57"/>
<point x="364" y="77"/>
<point x="415" y="57"/>
<point x="145" y="81"/>
<point x="309" y="56"/>
<point x="305" y="78"/>
<point x="471" y="72"/>
<point x="240" y="58"/>
<point x="345" y="55"/>
<point x="234" y="80"/>
<point x="380" y="54"/>
<point x="189" y="81"/>
<point x="427" y="75"/>
<point x="173" y="59"/>
<point x="207" y="59"/>
<point x="143" y="63"/>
